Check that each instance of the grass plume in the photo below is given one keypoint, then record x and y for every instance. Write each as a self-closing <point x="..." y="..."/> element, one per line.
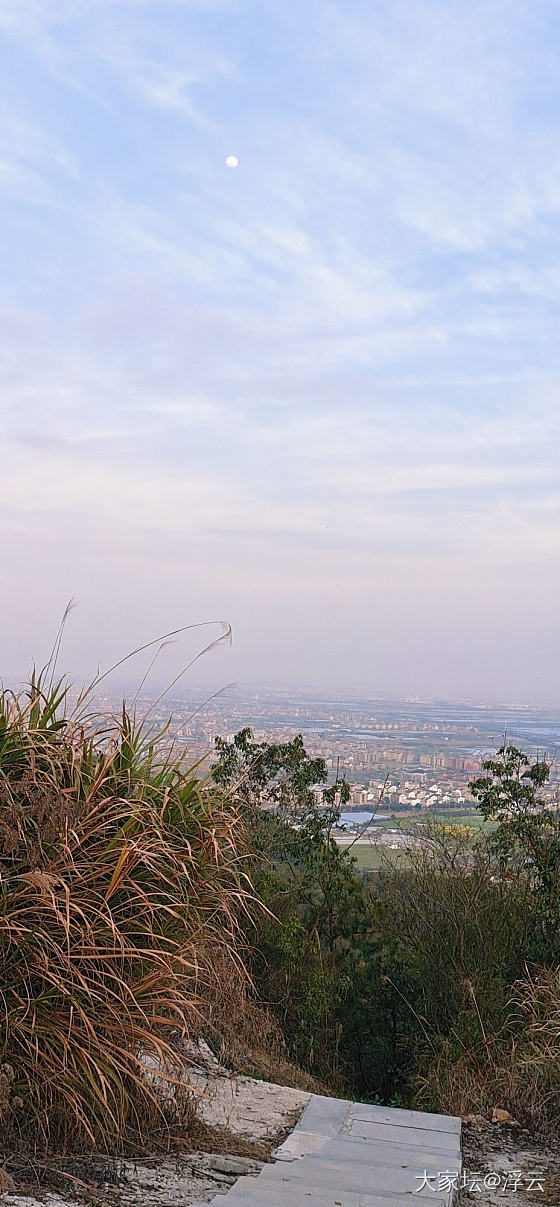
<point x="122" y="882"/>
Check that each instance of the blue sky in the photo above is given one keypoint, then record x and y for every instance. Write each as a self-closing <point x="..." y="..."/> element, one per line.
<point x="316" y="394"/>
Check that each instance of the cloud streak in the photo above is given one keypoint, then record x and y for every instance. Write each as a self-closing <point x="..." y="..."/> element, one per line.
<point x="325" y="381"/>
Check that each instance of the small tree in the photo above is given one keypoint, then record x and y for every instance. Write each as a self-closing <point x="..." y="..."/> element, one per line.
<point x="527" y="835"/>
<point x="316" y="956"/>
<point x="279" y="774"/>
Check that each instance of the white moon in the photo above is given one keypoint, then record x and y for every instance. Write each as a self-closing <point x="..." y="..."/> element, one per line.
<point x="232" y="161"/>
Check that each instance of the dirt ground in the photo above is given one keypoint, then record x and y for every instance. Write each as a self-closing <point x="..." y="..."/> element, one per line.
<point x="171" y="1182"/>
<point x="242" y="1119"/>
<point x="506" y="1166"/>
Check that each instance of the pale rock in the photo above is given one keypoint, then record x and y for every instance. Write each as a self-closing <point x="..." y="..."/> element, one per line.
<point x="501" y="1116"/>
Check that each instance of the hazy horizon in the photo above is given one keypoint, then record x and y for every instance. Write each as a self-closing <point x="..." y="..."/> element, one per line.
<point x="314" y="394"/>
<point x="131" y="682"/>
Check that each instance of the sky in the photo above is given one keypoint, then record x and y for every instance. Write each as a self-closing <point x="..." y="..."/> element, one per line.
<point x="315" y="395"/>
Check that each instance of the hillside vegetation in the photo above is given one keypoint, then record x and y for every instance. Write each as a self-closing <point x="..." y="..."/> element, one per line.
<point x="435" y="983"/>
<point x="143" y="903"/>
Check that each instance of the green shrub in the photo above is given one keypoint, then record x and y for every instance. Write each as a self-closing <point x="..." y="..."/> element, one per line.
<point x="526" y="839"/>
<point x="318" y="954"/>
<point x="413" y="988"/>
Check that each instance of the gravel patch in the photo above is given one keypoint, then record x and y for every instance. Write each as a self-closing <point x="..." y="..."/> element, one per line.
<point x="508" y="1166"/>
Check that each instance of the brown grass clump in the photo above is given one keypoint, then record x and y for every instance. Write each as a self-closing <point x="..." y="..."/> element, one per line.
<point x="121" y="884"/>
<point x="517" y="1068"/>
<point x="246" y="1036"/>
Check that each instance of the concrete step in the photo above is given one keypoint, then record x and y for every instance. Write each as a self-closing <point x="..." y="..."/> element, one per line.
<point x="305" y="1194"/>
<point x="348" y="1154"/>
<point x="324" y="1116"/>
<point x="404" y="1118"/>
<point x="390" y="1133"/>
<point x="299" y="1144"/>
<point x="350" y="1175"/>
<point x="376" y="1152"/>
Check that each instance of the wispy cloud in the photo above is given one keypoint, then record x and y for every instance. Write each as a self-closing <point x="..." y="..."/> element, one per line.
<point x="329" y="375"/>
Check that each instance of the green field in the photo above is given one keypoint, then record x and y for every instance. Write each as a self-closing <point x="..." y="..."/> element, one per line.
<point x="470" y="817"/>
<point x="463" y="817"/>
<point x="372" y="855"/>
<point x="368" y="855"/>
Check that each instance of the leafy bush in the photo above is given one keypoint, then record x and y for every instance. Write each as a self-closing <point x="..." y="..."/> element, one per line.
<point x="526" y="839"/>
<point x="460" y="935"/>
<point x="383" y="990"/>
<point x="465" y="931"/>
<point x="318" y="956"/>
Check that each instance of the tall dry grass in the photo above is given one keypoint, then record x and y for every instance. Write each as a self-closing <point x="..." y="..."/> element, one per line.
<point x="516" y="1067"/>
<point x="122" y="882"/>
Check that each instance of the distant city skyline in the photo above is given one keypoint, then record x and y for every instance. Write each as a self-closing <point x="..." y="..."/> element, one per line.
<point x="423" y="742"/>
<point x="279" y="339"/>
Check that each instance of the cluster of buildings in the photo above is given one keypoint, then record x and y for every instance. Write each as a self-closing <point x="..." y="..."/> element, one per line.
<point x="397" y="755"/>
<point x="408" y="795"/>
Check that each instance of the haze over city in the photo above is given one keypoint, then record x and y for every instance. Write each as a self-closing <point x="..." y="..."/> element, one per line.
<point x="314" y="391"/>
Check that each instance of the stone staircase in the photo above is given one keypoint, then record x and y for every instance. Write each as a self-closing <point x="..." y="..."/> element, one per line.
<point x="349" y="1154"/>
